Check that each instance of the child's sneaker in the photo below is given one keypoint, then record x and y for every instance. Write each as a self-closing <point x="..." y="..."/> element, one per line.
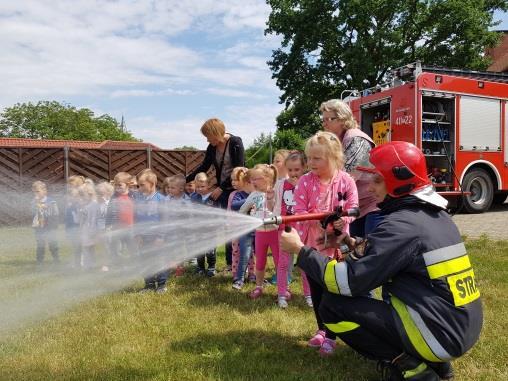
<point x="327" y="348"/>
<point x="238" y="284"/>
<point x="288" y="295"/>
<point x="282" y="302"/>
<point x="308" y="300"/>
<point x="317" y="340"/>
<point x="210" y="272"/>
<point x="161" y="290"/>
<point x="200" y="271"/>
<point x="252" y="278"/>
<point x="258" y="291"/>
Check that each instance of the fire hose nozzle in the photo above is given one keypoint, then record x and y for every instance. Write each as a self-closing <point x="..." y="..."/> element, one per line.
<point x="274" y="220"/>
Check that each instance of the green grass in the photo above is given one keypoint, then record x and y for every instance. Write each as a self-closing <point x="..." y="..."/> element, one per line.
<point x="203" y="330"/>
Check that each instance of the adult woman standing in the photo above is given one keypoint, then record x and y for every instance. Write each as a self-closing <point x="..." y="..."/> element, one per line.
<point x="225" y="152"/>
<point x="338" y="118"/>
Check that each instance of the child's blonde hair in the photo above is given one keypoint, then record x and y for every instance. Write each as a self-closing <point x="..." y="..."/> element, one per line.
<point x="87" y="190"/>
<point x="284" y="153"/>
<point x="331" y="146"/>
<point x="148" y="175"/>
<point x="122" y="177"/>
<point x="268" y="171"/>
<point x="175" y="179"/>
<point x="105" y="188"/>
<point x="39" y="185"/>
<point x="239" y="174"/>
<point x="202" y="176"/>
<point x="75" y="180"/>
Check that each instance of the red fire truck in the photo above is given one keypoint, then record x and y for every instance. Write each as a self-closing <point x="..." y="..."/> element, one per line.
<point x="459" y="119"/>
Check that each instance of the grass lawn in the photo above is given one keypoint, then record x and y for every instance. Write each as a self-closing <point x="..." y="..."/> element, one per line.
<point x="204" y="330"/>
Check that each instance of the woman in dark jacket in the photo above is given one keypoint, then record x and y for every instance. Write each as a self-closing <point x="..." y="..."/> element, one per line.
<point x="224" y="152"/>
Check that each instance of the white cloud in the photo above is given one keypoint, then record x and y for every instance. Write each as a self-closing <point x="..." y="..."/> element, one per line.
<point x="147" y="93"/>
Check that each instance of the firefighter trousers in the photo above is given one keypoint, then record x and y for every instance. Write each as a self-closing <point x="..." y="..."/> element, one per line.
<point x="365" y="324"/>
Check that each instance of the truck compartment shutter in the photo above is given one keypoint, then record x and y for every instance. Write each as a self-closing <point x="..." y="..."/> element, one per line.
<point x="480" y="124"/>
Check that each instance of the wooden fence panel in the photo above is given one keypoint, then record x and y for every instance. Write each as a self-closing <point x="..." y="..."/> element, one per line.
<point x="132" y="162"/>
<point x="90" y="163"/>
<point x="168" y="163"/>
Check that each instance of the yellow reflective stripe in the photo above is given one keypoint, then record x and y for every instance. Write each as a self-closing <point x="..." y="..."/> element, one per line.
<point x="330" y="282"/>
<point x="412" y="331"/>
<point x="413" y="372"/>
<point x="449" y="267"/>
<point x="341" y="327"/>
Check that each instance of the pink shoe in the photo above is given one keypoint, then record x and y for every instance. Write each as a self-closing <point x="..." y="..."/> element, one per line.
<point x="317" y="340"/>
<point x="288" y="295"/>
<point x="327" y="348"/>
<point x="258" y="291"/>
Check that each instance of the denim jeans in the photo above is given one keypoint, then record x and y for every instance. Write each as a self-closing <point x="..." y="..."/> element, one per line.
<point x="41" y="237"/>
<point x="245" y="247"/>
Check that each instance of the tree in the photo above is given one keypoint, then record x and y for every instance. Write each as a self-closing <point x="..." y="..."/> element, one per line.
<point x="186" y="148"/>
<point x="259" y="151"/>
<point x="331" y="45"/>
<point x="53" y="120"/>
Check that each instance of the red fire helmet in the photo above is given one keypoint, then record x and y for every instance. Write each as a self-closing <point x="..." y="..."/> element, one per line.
<point x="402" y="166"/>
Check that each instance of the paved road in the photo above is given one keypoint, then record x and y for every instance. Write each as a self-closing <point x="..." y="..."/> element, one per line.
<point x="493" y="223"/>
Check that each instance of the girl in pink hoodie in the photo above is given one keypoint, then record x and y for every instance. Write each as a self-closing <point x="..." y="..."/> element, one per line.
<point x="322" y="189"/>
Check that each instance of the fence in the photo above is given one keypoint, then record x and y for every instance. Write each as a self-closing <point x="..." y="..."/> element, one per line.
<point x="19" y="167"/>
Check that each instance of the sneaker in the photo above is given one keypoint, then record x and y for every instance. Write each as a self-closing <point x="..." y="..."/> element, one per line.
<point x="161" y="290"/>
<point x="308" y="300"/>
<point x="147" y="289"/>
<point x="252" y="278"/>
<point x="258" y="291"/>
<point x="282" y="302"/>
<point x="327" y="348"/>
<point x="200" y="271"/>
<point x="210" y="272"/>
<point x="317" y="340"/>
<point x="238" y="284"/>
<point x="288" y="295"/>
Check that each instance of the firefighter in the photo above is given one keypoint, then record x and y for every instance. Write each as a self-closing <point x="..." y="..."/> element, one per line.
<point x="432" y="313"/>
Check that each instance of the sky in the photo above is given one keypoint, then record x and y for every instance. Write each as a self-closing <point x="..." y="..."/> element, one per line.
<point x="165" y="66"/>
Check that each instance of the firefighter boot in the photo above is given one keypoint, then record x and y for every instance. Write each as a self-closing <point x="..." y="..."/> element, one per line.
<point x="413" y="369"/>
<point x="443" y="369"/>
<point x="405" y="367"/>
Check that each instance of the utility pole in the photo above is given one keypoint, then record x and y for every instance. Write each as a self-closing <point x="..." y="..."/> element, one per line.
<point x="270" y="142"/>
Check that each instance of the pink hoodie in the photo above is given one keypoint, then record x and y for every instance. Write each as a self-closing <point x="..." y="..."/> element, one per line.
<point x="307" y="197"/>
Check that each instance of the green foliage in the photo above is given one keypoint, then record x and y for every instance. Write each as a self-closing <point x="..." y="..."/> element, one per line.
<point x="259" y="151"/>
<point x="186" y="148"/>
<point x="329" y="46"/>
<point x="53" y="120"/>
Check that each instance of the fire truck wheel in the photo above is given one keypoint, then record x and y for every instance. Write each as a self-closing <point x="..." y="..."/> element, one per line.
<point x="479" y="183"/>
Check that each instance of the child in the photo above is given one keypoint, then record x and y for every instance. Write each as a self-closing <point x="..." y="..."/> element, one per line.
<point x="174" y="190"/>
<point x="44" y="222"/>
<point x="104" y="192"/>
<point x="88" y="223"/>
<point x="324" y="188"/>
<point x="279" y="161"/>
<point x="148" y="211"/>
<point x="202" y="196"/>
<point x="120" y="217"/>
<point x="260" y="204"/>
<point x="242" y="247"/>
<point x="295" y="164"/>
<point x="71" y="217"/>
<point x="190" y="188"/>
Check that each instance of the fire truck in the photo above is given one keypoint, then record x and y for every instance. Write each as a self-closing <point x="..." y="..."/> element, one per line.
<point x="458" y="118"/>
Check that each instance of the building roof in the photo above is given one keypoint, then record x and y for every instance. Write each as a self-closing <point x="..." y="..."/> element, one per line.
<point x="499" y="55"/>
<point x="49" y="143"/>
